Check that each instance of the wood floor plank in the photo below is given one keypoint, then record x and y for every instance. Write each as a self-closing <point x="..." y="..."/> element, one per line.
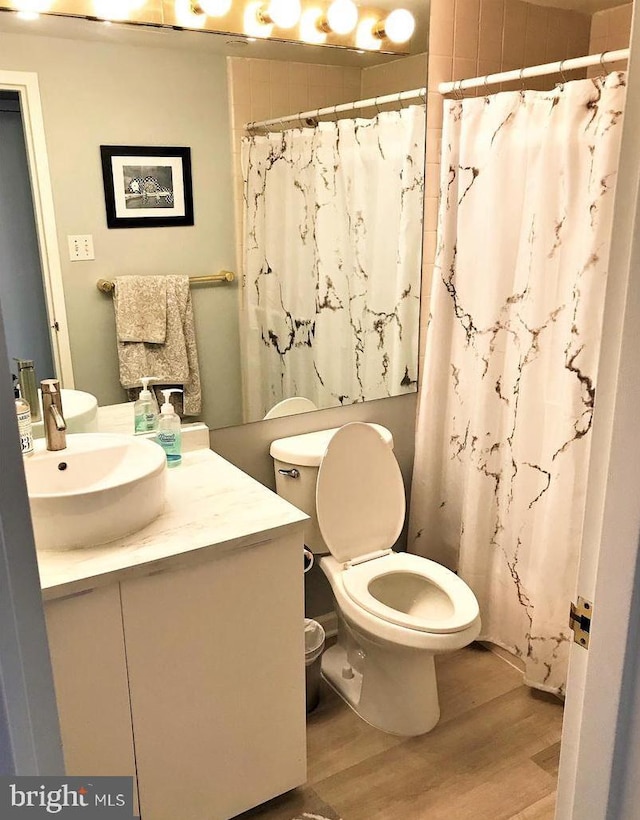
<point x="544" y="809"/>
<point x="501" y="735"/>
<point x="549" y="759"/>
<point x="470" y="677"/>
<point x="495" y="795"/>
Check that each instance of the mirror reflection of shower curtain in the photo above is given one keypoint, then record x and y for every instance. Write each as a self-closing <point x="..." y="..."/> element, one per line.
<point x="506" y="402"/>
<point x="333" y="238"/>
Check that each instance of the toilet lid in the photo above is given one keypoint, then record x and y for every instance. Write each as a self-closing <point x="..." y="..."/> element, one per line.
<point x="360" y="499"/>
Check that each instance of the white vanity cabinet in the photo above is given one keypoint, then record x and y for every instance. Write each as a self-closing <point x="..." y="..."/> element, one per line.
<point x="216" y="676"/>
<point x="178" y="652"/>
<point x="190" y="679"/>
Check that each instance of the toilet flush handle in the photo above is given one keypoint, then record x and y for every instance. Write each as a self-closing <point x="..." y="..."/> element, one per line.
<point x="292" y="473"/>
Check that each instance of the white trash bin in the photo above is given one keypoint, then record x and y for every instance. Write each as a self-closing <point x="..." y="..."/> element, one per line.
<point x="313" y="647"/>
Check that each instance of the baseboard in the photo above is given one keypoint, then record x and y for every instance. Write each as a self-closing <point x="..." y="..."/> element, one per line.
<point x="329" y="622"/>
<point x="504" y="655"/>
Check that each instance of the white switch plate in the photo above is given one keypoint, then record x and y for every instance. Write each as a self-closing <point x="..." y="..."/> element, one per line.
<point x="81" y="247"/>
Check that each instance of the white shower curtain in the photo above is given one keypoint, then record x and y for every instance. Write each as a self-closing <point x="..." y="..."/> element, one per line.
<point x="333" y="227"/>
<point x="506" y="401"/>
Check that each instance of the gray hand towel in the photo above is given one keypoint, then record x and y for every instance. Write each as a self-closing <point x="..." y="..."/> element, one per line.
<point x="140" y="304"/>
<point x="175" y="361"/>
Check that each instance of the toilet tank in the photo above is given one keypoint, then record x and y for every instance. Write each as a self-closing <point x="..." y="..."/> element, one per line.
<point x="303" y="454"/>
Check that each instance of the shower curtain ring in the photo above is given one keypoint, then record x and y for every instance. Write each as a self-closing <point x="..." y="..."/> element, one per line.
<point x="400" y="101"/>
<point x="521" y="80"/>
<point x="602" y="64"/>
<point x="335" y="113"/>
<point x="458" y="91"/>
<point x="563" y="79"/>
<point x="376" y="106"/>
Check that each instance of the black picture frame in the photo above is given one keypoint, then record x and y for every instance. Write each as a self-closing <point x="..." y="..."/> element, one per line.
<point x="154" y="181"/>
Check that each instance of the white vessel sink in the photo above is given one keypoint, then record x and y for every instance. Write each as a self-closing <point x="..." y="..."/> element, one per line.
<point x="80" y="411"/>
<point x="101" y="487"/>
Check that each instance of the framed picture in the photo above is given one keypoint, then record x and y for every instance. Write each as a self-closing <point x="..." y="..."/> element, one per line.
<point x="147" y="187"/>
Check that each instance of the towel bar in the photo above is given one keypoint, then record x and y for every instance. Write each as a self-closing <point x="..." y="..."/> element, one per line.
<point x="106" y="286"/>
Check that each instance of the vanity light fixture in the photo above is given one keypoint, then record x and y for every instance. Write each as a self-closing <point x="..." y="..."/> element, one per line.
<point x="311" y="30"/>
<point x="212" y="8"/>
<point x="282" y="13"/>
<point x="397" y="26"/>
<point x="187" y="16"/>
<point x="32" y="9"/>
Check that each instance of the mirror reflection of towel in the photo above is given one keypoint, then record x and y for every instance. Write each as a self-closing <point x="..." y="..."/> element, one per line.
<point x="140" y="303"/>
<point x="175" y="361"/>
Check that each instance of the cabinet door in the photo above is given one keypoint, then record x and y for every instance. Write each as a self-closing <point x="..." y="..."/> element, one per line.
<point x="216" y="675"/>
<point x="86" y="643"/>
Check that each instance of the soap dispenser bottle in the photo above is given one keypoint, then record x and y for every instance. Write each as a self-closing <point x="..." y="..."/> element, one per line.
<point x="23" y="411"/>
<point x="28" y="386"/>
<point x="169" y="432"/>
<point x="145" y="410"/>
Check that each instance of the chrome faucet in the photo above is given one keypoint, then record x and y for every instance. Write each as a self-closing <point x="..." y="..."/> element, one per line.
<point x="54" y="423"/>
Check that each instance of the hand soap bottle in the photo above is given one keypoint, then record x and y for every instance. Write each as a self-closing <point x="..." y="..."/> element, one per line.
<point x="23" y="411"/>
<point x="145" y="410"/>
<point x="169" y="432"/>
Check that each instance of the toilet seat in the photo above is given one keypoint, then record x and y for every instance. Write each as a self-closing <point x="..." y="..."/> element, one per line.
<point x="433" y="600"/>
<point x="360" y="499"/>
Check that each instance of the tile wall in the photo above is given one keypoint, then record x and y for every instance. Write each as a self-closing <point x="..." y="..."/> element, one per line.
<point x="610" y="30"/>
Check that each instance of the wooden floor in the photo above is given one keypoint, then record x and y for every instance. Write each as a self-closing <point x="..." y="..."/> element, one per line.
<point x="493" y="756"/>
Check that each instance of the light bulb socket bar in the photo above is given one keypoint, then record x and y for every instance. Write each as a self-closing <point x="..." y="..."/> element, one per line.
<point x="264" y="17"/>
<point x="379" y="30"/>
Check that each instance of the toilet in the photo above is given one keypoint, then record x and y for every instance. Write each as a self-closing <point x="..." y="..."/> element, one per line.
<point x="396" y="611"/>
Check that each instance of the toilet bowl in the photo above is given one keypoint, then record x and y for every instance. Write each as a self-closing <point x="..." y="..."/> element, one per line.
<point x="396" y="611"/>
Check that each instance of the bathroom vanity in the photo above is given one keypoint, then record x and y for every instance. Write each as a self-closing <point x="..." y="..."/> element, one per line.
<point x="178" y="652"/>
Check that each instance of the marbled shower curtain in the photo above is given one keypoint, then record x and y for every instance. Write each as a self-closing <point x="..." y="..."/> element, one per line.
<point x="333" y="236"/>
<point x="507" y="397"/>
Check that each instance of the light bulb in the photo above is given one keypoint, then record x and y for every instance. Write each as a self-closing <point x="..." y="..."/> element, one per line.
<point x="310" y="27"/>
<point x="31" y="9"/>
<point x="283" y="13"/>
<point x="186" y="17"/>
<point x="400" y="25"/>
<point x="365" y="37"/>
<point x="342" y="16"/>
<point x="254" y="25"/>
<point x="215" y="8"/>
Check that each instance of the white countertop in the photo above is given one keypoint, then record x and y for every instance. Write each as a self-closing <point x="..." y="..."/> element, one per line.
<point x="210" y="503"/>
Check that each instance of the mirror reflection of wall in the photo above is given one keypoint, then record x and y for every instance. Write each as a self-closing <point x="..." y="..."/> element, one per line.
<point x="121" y="85"/>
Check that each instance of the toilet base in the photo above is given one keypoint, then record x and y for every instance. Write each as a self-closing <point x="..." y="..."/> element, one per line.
<point x="394" y="692"/>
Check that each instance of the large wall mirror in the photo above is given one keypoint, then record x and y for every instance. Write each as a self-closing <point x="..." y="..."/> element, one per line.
<point x="320" y="218"/>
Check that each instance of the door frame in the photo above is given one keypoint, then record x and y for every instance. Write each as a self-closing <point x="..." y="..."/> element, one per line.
<point x="28" y="89"/>
<point x="601" y="735"/>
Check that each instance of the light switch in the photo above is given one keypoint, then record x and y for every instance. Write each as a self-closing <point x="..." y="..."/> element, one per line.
<point x="81" y="247"/>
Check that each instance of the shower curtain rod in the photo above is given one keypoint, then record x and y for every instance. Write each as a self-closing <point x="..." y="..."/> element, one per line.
<point x="535" y="71"/>
<point x="374" y="102"/>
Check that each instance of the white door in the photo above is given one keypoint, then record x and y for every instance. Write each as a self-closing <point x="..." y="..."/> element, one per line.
<point x="601" y="739"/>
